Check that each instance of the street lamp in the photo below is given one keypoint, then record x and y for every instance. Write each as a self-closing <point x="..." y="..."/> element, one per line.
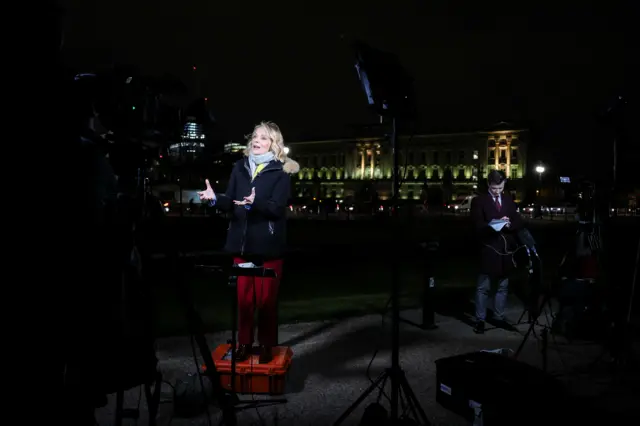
<point x="540" y="170"/>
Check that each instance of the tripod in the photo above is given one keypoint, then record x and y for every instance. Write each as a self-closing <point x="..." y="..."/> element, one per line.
<point x="196" y="329"/>
<point x="394" y="373"/>
<point x="546" y="300"/>
<point x="540" y="306"/>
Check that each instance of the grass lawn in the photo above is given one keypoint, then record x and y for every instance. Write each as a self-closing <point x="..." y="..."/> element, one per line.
<point x="342" y="269"/>
<point x="310" y="297"/>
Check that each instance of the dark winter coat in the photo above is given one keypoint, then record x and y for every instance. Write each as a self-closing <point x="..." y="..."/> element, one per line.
<point x="493" y="258"/>
<point x="260" y="230"/>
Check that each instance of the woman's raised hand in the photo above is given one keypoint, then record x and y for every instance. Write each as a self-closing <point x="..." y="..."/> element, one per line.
<point x="208" y="193"/>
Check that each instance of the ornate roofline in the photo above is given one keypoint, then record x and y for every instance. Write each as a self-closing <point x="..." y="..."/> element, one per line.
<point x="420" y="136"/>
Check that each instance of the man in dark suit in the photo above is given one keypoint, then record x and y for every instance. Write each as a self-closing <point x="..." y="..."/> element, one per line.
<point x="496" y="247"/>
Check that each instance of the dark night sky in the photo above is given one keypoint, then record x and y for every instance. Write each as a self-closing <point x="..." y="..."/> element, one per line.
<point x="551" y="68"/>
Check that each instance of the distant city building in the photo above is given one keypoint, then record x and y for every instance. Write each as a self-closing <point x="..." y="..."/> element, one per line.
<point x="233" y="147"/>
<point x="453" y="162"/>
<point x="192" y="141"/>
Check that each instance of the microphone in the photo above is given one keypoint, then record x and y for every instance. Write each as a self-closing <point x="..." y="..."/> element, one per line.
<point x="526" y="239"/>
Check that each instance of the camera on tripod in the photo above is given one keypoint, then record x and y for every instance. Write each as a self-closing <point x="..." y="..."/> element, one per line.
<point x="110" y="117"/>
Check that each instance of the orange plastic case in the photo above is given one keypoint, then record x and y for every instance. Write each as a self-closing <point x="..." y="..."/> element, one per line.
<point x="252" y="377"/>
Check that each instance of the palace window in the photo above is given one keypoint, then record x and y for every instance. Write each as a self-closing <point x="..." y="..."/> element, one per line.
<point x="461" y="157"/>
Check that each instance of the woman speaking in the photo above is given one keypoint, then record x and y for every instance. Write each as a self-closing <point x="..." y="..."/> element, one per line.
<point x="257" y="195"/>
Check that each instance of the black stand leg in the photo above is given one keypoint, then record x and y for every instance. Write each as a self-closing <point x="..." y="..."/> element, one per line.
<point x="153" y="398"/>
<point x="376" y="383"/>
<point x="545" y="345"/>
<point x="524" y="312"/>
<point x="119" y="407"/>
<point x="196" y="329"/>
<point x="225" y="400"/>
<point x="392" y="374"/>
<point x="546" y="301"/>
<point x="233" y="283"/>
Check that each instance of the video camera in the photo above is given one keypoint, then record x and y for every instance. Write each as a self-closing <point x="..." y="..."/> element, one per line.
<point x="113" y="110"/>
<point x="110" y="114"/>
<point x="127" y="117"/>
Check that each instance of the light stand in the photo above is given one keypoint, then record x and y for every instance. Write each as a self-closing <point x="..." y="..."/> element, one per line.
<point x="394" y="373"/>
<point x="633" y="284"/>
<point x="619" y="347"/>
<point x="389" y="91"/>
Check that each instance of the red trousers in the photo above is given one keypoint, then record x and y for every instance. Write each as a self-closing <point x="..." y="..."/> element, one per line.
<point x="257" y="293"/>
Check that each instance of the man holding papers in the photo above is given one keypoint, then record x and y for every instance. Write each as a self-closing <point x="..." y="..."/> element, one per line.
<point x="496" y="220"/>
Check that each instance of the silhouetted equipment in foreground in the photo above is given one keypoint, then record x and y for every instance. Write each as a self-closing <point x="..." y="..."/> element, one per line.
<point x="599" y="272"/>
<point x="491" y="389"/>
<point x="613" y="261"/>
<point x="112" y="209"/>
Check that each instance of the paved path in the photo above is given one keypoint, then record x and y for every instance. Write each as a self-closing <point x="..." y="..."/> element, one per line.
<point x="330" y="360"/>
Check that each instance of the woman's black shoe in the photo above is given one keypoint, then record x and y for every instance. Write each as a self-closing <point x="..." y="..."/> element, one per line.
<point x="265" y="354"/>
<point x="243" y="352"/>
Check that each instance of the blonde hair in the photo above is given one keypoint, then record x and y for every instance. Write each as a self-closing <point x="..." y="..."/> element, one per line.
<point x="275" y="135"/>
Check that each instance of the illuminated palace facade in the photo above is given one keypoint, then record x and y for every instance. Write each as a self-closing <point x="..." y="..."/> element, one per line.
<point x="340" y="168"/>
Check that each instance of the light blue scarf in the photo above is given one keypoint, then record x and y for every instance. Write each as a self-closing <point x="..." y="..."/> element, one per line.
<point x="254" y="160"/>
